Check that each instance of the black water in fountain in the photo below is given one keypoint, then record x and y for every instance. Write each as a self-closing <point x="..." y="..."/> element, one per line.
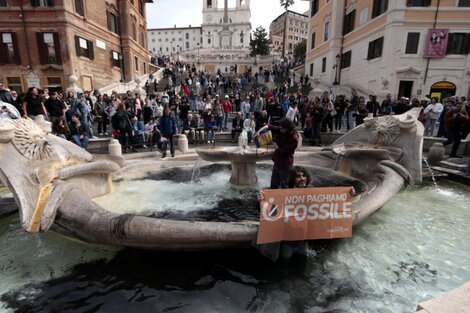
<point x="243" y="207"/>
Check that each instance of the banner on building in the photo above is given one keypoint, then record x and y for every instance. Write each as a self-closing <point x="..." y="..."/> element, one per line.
<point x="305" y="213"/>
<point x="436" y="43"/>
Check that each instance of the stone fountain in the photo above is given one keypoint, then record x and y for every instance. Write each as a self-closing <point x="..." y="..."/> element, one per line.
<point x="242" y="158"/>
<point x="54" y="183"/>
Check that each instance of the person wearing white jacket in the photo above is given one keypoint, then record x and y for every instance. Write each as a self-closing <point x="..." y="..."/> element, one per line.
<point x="249" y="125"/>
<point x="431" y="115"/>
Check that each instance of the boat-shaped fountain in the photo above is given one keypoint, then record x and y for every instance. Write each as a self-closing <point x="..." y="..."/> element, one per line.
<point x="55" y="183"/>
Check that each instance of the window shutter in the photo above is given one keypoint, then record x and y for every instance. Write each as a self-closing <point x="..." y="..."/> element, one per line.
<point x="466" y="43"/>
<point x="380" y="45"/>
<point x="58" y="51"/>
<point x="370" y="50"/>
<point x="91" y="54"/>
<point x="2" y="51"/>
<point x="77" y="45"/>
<point x="16" y="49"/>
<point x="41" y="48"/>
<point x="109" y="18"/>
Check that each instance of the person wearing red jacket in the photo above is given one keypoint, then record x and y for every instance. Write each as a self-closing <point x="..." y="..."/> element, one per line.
<point x="227" y="107"/>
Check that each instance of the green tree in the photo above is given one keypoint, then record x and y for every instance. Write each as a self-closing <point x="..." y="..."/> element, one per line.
<point x="259" y="44"/>
<point x="285" y="4"/>
<point x="300" y="49"/>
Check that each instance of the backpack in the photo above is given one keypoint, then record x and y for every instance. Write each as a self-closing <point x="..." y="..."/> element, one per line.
<point x="115" y="121"/>
<point x="76" y="108"/>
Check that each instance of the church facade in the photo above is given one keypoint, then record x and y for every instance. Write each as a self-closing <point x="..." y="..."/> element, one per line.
<point x="226" y="25"/>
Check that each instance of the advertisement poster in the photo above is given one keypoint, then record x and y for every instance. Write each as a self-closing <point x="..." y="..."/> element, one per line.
<point x="436" y="43"/>
<point x="305" y="214"/>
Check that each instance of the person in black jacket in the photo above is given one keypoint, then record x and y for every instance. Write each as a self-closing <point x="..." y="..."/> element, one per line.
<point x="78" y="132"/>
<point x="124" y="126"/>
<point x="168" y="130"/>
<point x="237" y="125"/>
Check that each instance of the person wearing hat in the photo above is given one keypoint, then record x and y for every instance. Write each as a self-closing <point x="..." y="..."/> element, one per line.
<point x="227" y="107"/>
<point x="402" y="106"/>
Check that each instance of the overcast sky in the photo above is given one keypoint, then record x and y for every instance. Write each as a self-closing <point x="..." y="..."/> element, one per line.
<point x="167" y="13"/>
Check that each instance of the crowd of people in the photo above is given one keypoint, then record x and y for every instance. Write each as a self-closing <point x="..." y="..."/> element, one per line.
<point x="200" y="105"/>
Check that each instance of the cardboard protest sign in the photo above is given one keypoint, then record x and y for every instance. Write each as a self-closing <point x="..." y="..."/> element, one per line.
<point x="305" y="213"/>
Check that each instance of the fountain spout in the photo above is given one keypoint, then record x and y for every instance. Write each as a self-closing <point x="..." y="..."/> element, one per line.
<point x="243" y="141"/>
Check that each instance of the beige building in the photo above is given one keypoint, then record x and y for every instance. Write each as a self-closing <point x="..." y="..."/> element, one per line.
<point x="297" y="30"/>
<point x="382" y="46"/>
<point x="174" y="40"/>
<point x="44" y="42"/>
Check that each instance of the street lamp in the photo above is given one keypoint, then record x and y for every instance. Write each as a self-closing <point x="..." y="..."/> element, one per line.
<point x="335" y="67"/>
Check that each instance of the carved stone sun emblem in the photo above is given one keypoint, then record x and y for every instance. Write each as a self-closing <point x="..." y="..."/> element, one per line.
<point x="30" y="141"/>
<point x="384" y="130"/>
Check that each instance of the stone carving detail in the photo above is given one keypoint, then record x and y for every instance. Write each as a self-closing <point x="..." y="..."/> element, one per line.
<point x="384" y="130"/>
<point x="30" y="141"/>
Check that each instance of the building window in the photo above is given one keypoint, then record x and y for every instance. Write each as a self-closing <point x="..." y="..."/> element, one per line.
<point x="375" y="48"/>
<point x="364" y="16"/>
<point x="153" y="40"/>
<point x="144" y="65"/>
<point x="412" y="42"/>
<point x="42" y="3"/>
<point x="464" y="3"/>
<point x="187" y="36"/>
<point x="49" y="48"/>
<point x="84" y="48"/>
<point x="79" y="7"/>
<point x="134" y="32"/>
<point x="314" y="7"/>
<point x="113" y="23"/>
<point x="349" y="20"/>
<point x="142" y="8"/>
<point x="142" y="39"/>
<point x="136" y="63"/>
<point x="323" y="65"/>
<point x="3" y="3"/>
<point x="459" y="43"/>
<point x="187" y="45"/>
<point x="379" y="7"/>
<point x="312" y="45"/>
<point x="14" y="83"/>
<point x="311" y="69"/>
<point x="54" y="82"/>
<point x="418" y="3"/>
<point x="115" y="59"/>
<point x="9" y="51"/>
<point x="346" y="59"/>
<point x="326" y="31"/>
